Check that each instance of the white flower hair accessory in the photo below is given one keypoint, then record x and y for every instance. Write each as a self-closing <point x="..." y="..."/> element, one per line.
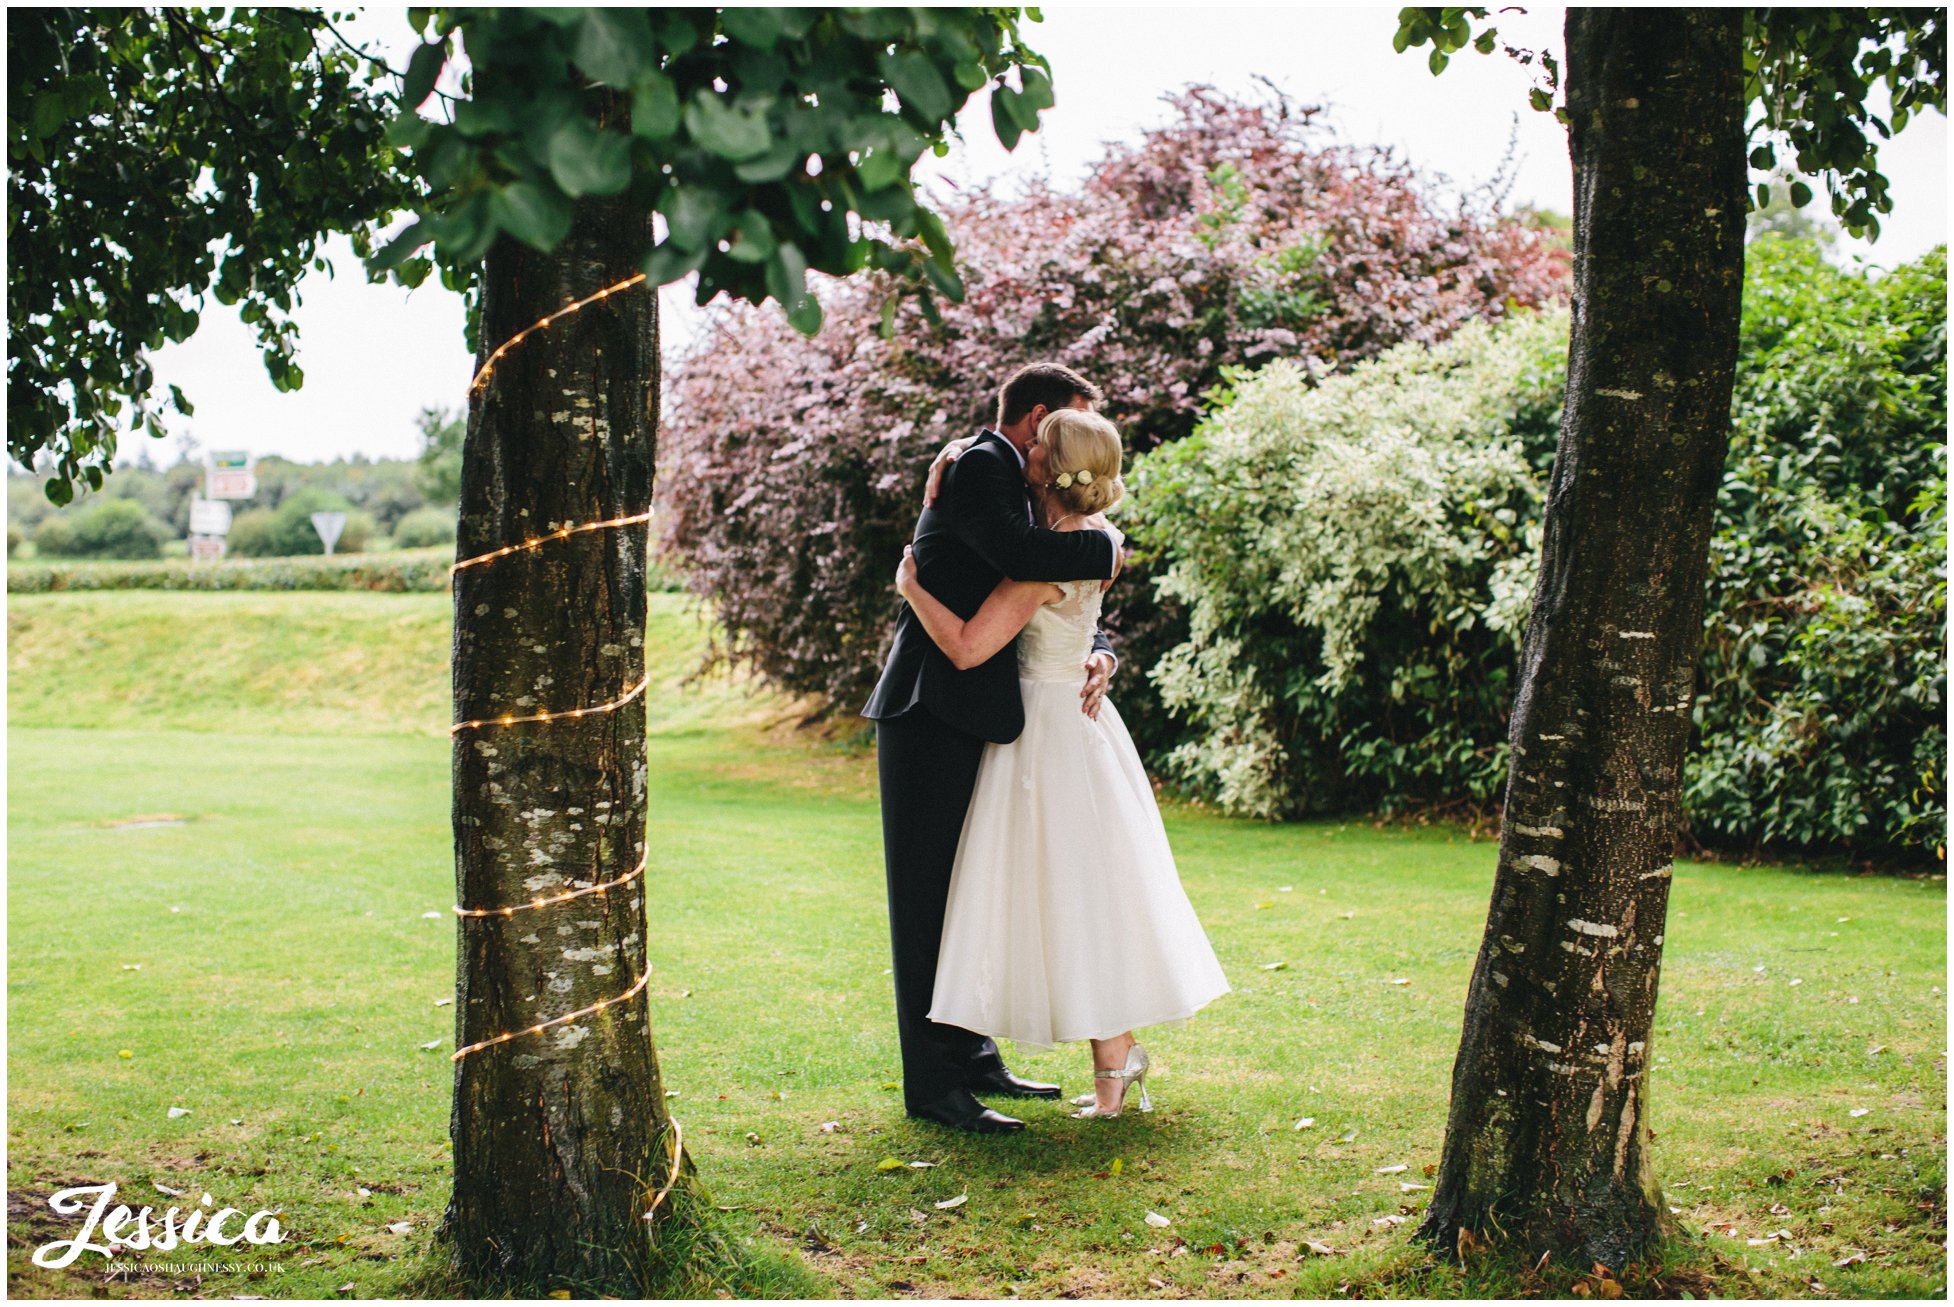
<point x="1064" y="480"/>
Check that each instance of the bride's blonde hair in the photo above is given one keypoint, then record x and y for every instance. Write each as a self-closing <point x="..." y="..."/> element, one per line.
<point x="1082" y="450"/>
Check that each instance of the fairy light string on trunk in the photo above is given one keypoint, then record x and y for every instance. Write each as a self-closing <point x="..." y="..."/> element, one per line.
<point x="511" y="719"/>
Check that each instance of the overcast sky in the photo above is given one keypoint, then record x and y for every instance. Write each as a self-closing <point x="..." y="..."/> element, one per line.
<point x="374" y="356"/>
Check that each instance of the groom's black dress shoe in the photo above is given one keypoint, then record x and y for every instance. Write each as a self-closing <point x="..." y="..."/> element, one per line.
<point x="1001" y="1081"/>
<point x="960" y="1111"/>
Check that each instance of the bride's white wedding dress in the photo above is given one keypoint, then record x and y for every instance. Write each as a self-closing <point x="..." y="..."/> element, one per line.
<point x="1066" y="917"/>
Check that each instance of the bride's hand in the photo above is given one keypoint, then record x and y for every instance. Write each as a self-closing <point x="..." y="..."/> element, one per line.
<point x="945" y="456"/>
<point x="906" y="571"/>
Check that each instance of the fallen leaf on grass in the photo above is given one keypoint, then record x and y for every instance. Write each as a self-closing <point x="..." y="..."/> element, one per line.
<point x="1316" y="1249"/>
<point x="1158" y="1284"/>
<point x="1304" y="1124"/>
<point x="1349" y="1136"/>
<point x="948" y="1203"/>
<point x="1157" y="1221"/>
<point x="443" y="1002"/>
<point x="1265" y="903"/>
<point x="399" y="1227"/>
<point x="1119" y="1164"/>
<point x="1389" y="1219"/>
<point x="1392" y="1170"/>
<point x="345" y="1288"/>
<point x="162" y="1188"/>
<point x="922" y="1166"/>
<point x="1861" y="1111"/>
<point x="1850" y="1259"/>
<point x="425" y="916"/>
<point x="1401" y="980"/>
<point x="175" y="1112"/>
<point x="889" y="1164"/>
<point x="1275" y="966"/>
<point x="829" y="1127"/>
<point x="1406" y="1186"/>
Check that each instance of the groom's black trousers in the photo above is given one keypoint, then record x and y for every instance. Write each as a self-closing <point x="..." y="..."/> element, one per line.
<point x="928" y="772"/>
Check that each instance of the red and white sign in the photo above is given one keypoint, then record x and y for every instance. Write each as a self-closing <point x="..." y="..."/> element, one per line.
<point x="226" y="483"/>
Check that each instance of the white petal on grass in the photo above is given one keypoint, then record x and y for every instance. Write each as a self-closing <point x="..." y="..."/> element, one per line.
<point x="1157" y="1221"/>
<point x="1304" y="1124"/>
<point x="1861" y="1111"/>
<point x="948" y="1203"/>
<point x="175" y="1112"/>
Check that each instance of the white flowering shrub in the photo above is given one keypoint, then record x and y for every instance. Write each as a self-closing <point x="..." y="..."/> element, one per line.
<point x="1339" y="547"/>
<point x="1357" y="559"/>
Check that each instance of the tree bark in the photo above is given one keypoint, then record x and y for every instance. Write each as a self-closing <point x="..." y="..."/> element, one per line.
<point x="560" y="1135"/>
<point x="1546" y="1146"/>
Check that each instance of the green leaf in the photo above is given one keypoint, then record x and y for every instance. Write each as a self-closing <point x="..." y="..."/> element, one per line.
<point x="1438" y="60"/>
<point x="586" y="160"/>
<point x="1002" y="117"/>
<point x="1801" y="195"/>
<point x="1540" y="100"/>
<point x="730" y="132"/>
<point x="781" y="158"/>
<point x="667" y="263"/>
<point x="537" y="217"/>
<point x="654" y="107"/>
<point x="409" y="131"/>
<point x="1763" y="157"/>
<point x="614" y="45"/>
<point x="1037" y="94"/>
<point x="753" y="240"/>
<point x="1763" y="195"/>
<point x="787" y="275"/>
<point x="879" y="168"/>
<point x="422" y="72"/>
<point x="919" y="85"/>
<point x="1485" y="41"/>
<point x="759" y="28"/>
<point x="397" y="249"/>
<point x="694" y="215"/>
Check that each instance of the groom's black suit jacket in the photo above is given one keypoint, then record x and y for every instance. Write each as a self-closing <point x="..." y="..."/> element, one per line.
<point x="977" y="533"/>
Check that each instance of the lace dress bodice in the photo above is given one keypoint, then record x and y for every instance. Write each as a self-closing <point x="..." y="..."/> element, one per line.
<point x="1057" y="640"/>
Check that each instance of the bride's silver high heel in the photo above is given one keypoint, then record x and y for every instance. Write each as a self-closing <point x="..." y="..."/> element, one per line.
<point x="1131" y="1076"/>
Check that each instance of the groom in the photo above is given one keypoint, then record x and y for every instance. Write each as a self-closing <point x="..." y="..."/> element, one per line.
<point x="931" y="723"/>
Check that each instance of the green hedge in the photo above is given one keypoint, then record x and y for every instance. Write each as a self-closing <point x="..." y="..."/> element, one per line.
<point x="400" y="570"/>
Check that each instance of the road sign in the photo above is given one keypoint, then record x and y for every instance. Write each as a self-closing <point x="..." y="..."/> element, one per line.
<point x="229" y="459"/>
<point x="206" y="549"/>
<point x="328" y="525"/>
<point x="231" y="485"/>
<point x="209" y="517"/>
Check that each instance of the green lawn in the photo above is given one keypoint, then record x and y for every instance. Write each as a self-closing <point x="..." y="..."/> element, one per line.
<point x="274" y="962"/>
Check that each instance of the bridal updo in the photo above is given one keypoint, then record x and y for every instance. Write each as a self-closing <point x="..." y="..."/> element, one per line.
<point x="1082" y="460"/>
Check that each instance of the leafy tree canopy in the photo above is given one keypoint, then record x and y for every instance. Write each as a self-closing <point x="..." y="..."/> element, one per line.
<point x="1809" y="74"/>
<point x="160" y="156"/>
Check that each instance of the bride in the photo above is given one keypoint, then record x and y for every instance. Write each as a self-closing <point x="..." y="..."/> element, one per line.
<point x="1066" y="917"/>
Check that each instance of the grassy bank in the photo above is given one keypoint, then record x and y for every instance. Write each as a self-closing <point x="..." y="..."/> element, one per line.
<point x="270" y="964"/>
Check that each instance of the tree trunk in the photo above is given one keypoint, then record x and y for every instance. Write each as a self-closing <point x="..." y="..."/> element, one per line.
<point x="560" y="1135"/>
<point x="1546" y="1146"/>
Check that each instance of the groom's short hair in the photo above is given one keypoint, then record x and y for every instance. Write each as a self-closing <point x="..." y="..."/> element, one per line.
<point x="1052" y="384"/>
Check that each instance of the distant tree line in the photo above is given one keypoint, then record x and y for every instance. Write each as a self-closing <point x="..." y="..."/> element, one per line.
<point x="144" y="511"/>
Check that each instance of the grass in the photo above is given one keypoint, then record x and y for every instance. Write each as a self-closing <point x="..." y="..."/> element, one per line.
<point x="289" y="971"/>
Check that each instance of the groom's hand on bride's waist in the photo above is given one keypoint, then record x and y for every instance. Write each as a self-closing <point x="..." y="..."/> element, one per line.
<point x="1099" y="674"/>
<point x="944" y="457"/>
